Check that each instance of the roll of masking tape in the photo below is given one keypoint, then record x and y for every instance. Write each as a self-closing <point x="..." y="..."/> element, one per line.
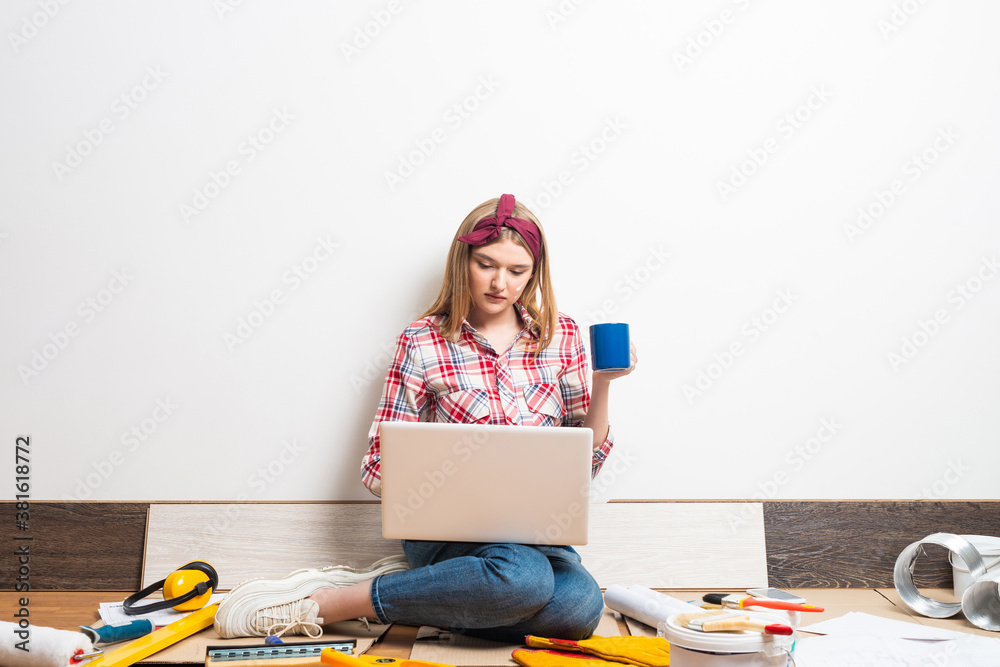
<point x="903" y="574"/>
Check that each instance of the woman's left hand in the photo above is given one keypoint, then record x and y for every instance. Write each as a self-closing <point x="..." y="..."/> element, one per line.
<point x="611" y="375"/>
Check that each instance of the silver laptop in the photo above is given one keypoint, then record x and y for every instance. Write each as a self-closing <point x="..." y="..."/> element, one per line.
<point x="484" y="483"/>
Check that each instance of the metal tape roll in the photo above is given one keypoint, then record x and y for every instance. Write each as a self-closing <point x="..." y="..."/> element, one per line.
<point x="903" y="574"/>
<point x="981" y="602"/>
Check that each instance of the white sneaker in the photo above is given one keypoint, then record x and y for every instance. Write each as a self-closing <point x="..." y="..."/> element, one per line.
<point x="262" y="607"/>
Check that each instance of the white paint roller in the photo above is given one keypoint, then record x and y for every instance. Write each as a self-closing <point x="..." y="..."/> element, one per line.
<point x="38" y="646"/>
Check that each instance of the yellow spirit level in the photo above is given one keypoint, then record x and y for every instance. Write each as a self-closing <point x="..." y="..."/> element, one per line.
<point x="146" y="646"/>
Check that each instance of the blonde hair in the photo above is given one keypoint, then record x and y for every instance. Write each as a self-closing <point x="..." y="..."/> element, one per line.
<point x="454" y="301"/>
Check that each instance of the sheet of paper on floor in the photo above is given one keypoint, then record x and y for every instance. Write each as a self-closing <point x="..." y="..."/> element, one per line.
<point x="113" y="613"/>
<point x="860" y="623"/>
<point x="874" y="651"/>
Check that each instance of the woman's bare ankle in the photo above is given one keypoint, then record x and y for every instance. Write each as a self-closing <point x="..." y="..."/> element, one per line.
<point x="341" y="604"/>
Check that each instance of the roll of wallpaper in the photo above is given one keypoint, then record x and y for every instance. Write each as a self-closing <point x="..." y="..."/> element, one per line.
<point x="39" y="646"/>
<point x="645" y="605"/>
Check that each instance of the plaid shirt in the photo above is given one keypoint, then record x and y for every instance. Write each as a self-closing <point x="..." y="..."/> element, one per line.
<point x="469" y="382"/>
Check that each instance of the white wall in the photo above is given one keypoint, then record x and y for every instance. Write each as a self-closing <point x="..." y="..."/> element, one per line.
<point x="158" y="100"/>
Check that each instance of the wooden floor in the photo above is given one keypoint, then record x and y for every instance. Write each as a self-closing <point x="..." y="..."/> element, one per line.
<point x="68" y="610"/>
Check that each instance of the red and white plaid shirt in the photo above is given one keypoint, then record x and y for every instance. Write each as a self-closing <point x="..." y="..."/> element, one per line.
<point x="469" y="382"/>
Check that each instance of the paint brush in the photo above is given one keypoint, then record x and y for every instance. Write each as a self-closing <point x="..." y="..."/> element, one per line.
<point x="729" y="621"/>
<point x="741" y="601"/>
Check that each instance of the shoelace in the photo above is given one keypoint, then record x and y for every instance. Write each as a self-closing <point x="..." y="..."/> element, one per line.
<point x="287" y="618"/>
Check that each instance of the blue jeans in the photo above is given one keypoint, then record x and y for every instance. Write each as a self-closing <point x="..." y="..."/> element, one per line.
<point x="496" y="591"/>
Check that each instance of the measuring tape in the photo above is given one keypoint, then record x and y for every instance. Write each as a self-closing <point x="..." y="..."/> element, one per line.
<point x="287" y="653"/>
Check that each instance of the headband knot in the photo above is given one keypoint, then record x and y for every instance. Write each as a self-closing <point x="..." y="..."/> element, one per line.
<point x="488" y="228"/>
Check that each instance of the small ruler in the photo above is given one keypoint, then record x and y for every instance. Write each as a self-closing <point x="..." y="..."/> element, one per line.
<point x="272" y="655"/>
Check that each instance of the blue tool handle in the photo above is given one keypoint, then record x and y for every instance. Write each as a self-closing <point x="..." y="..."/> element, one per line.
<point x="110" y="634"/>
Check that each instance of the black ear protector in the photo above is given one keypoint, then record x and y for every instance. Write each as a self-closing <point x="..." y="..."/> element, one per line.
<point x="187" y="588"/>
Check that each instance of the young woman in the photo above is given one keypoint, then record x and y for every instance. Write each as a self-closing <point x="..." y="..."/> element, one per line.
<point x="492" y="349"/>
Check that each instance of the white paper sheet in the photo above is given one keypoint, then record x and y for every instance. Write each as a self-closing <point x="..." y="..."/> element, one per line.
<point x="873" y="651"/>
<point x="113" y="613"/>
<point x="860" y="623"/>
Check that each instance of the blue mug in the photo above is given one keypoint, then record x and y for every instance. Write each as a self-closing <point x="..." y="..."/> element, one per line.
<point x="609" y="346"/>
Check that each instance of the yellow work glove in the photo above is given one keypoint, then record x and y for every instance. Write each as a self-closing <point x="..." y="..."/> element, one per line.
<point x="643" y="651"/>
<point x="546" y="658"/>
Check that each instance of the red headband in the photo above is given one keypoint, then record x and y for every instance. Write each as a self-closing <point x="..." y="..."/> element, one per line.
<point x="488" y="229"/>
